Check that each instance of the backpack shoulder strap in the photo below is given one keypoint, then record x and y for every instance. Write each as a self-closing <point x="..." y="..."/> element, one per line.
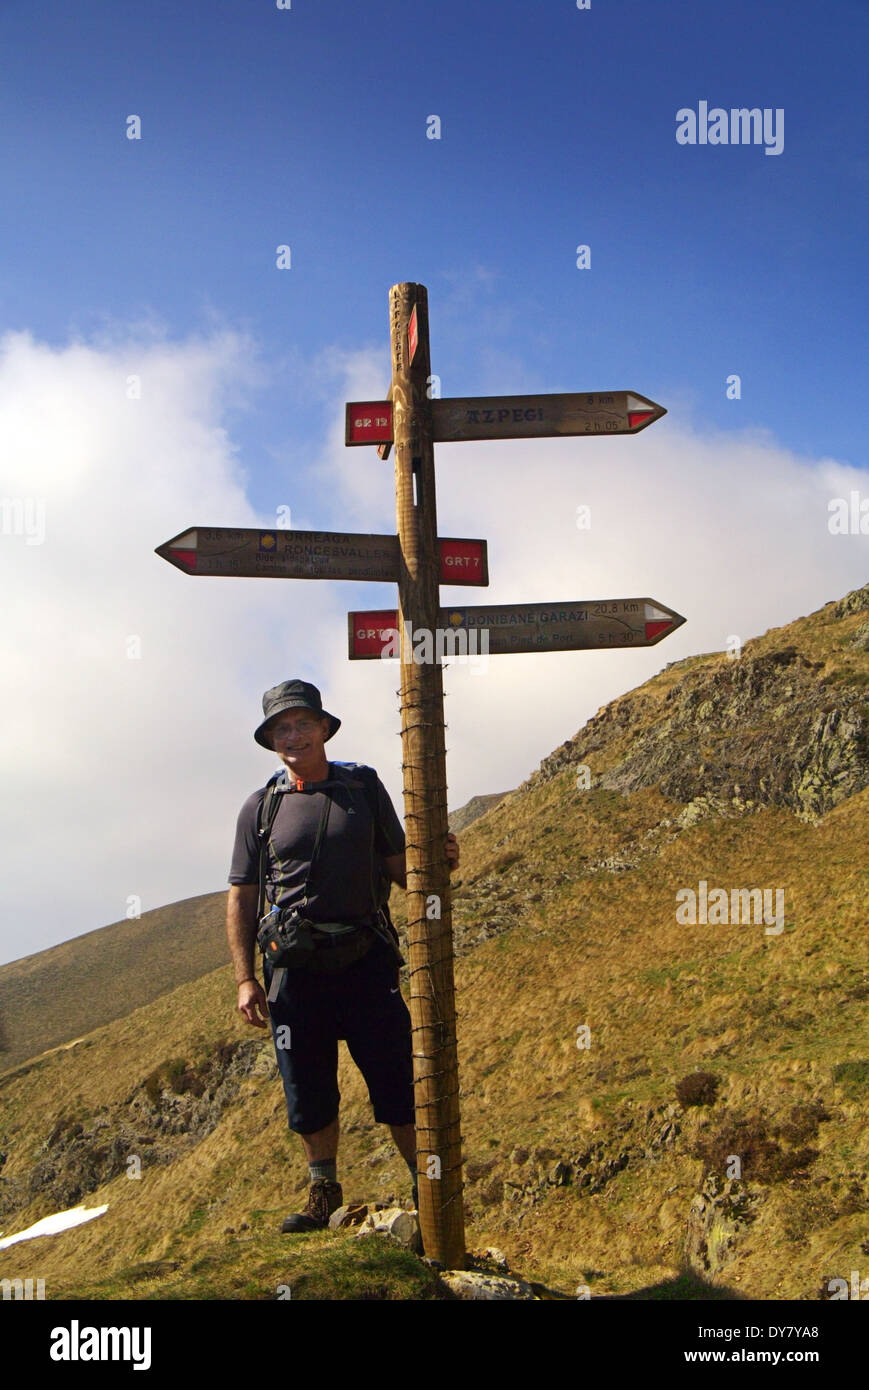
<point x="268" y="809"/>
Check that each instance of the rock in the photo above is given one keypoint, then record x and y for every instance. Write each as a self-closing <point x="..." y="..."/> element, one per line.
<point x="860" y="640"/>
<point x="717" y="1219"/>
<point x="700" y="809"/>
<point x="351" y="1214"/>
<point x="855" y="602"/>
<point x="612" y="864"/>
<point x="559" y="1174"/>
<point x="402" y="1225"/>
<point x="490" y="1256"/>
<point x="471" y="1284"/>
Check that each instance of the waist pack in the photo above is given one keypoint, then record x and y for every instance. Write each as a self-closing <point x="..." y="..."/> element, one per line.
<point x="290" y="941"/>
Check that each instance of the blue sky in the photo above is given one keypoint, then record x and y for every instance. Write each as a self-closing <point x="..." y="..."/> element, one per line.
<point x="307" y="127"/>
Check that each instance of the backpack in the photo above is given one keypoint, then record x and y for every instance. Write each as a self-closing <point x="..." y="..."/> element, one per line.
<point x="356" y="774"/>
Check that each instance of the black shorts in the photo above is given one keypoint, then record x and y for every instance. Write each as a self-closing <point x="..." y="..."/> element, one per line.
<point x="361" y="1005"/>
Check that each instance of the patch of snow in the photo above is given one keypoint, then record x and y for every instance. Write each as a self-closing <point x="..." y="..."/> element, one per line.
<point x="51" y="1225"/>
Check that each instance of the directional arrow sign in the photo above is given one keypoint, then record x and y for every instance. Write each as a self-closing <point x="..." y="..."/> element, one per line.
<point x="524" y="627"/>
<point x="537" y="417"/>
<point x="288" y="554"/>
<point x="513" y="417"/>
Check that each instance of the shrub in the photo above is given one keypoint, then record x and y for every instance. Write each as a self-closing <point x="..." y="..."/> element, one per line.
<point x="154" y="1085"/>
<point x="175" y="1075"/>
<point x="803" y="1122"/>
<point x="699" y="1088"/>
<point x="226" y="1051"/>
<point x="763" y="1160"/>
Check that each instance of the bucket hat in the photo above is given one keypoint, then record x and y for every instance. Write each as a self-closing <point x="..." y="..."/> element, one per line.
<point x="292" y="695"/>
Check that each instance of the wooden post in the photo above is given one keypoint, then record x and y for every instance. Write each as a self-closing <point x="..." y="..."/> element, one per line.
<point x="432" y="992"/>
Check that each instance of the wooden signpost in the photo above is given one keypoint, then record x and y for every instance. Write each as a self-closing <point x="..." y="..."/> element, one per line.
<point x="412" y="423"/>
<point x="288" y="554"/>
<point x="409" y="422"/>
<point x="524" y="627"/>
<point x="511" y="417"/>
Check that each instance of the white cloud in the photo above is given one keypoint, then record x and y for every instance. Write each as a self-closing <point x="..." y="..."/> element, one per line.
<point x="124" y="777"/>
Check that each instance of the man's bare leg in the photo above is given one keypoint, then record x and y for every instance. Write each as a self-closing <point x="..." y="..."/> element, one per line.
<point x="322" y="1143"/>
<point x="405" y="1139"/>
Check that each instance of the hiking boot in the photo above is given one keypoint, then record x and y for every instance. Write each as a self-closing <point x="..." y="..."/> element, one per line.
<point x="323" y="1198"/>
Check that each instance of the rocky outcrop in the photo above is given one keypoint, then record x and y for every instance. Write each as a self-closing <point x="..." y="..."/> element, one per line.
<point x="528" y="1176"/>
<point x="170" y="1112"/>
<point x="855" y="602"/>
<point x="749" y="732"/>
<point x="860" y="640"/>
<point x="717" y="1220"/>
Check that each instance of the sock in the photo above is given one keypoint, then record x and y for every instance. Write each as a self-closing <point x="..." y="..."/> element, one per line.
<point x="324" y="1168"/>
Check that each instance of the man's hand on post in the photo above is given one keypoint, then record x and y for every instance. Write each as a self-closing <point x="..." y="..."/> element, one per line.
<point x="251" y="997"/>
<point x="452" y="845"/>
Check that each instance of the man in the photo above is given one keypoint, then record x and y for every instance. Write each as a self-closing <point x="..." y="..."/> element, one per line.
<point x="310" y="1009"/>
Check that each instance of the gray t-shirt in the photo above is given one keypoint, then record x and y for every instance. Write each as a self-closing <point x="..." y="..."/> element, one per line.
<point x="341" y="883"/>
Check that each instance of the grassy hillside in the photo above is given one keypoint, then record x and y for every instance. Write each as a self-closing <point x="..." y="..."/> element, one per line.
<point x="472" y="810"/>
<point x="102" y="974"/>
<point x="608" y="1164"/>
